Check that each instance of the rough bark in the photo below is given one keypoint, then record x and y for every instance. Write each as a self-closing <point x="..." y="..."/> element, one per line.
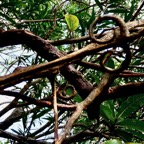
<point x="48" y="52"/>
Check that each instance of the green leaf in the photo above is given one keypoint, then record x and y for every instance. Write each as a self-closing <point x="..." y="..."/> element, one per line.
<point x="99" y="4"/>
<point x="124" y="135"/>
<point x="92" y="17"/>
<point x="118" y="10"/>
<point x="137" y="62"/>
<point x="132" y="124"/>
<point x="132" y="9"/>
<point x="129" y="106"/>
<point x="69" y="91"/>
<point x="77" y="98"/>
<point x="132" y="143"/>
<point x="72" y="22"/>
<point x="110" y="63"/>
<point x="128" y="134"/>
<point x="113" y="141"/>
<point x="107" y="111"/>
<point x="7" y="18"/>
<point x="41" y="113"/>
<point x="135" y="133"/>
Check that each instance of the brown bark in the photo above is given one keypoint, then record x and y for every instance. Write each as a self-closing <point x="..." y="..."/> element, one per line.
<point x="48" y="52"/>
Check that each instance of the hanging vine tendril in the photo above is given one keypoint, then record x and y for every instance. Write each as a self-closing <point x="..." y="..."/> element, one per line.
<point x="119" y="36"/>
<point x="61" y="93"/>
<point x="123" y="65"/>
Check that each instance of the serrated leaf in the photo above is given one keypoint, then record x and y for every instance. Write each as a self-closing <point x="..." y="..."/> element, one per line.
<point x="130" y="105"/>
<point x="72" y="22"/>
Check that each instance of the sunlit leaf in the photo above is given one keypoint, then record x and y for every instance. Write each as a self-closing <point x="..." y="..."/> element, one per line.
<point x="132" y="143"/>
<point x="113" y="141"/>
<point x="72" y="22"/>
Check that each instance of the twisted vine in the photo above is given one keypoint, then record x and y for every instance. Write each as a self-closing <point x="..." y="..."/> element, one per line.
<point x="120" y="35"/>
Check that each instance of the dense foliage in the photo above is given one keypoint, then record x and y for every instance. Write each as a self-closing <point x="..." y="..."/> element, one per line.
<point x="74" y="69"/>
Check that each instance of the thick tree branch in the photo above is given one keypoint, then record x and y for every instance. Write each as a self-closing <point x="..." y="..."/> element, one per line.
<point x="126" y="90"/>
<point x="47" y="51"/>
<point x="133" y="25"/>
<point x="106" y="81"/>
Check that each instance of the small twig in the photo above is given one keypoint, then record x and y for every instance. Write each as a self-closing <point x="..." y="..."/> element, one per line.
<point x="54" y="19"/>
<point x="20" y="139"/>
<point x="125" y="73"/>
<point x="30" y="100"/>
<point x="32" y="21"/>
<point x="55" y="107"/>
<point x="14" y="102"/>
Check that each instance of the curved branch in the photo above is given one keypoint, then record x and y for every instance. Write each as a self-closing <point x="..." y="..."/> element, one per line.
<point x="126" y="90"/>
<point x="107" y="79"/>
<point x="133" y="25"/>
<point x="47" y="51"/>
<point x="30" y="100"/>
<point x="119" y="34"/>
